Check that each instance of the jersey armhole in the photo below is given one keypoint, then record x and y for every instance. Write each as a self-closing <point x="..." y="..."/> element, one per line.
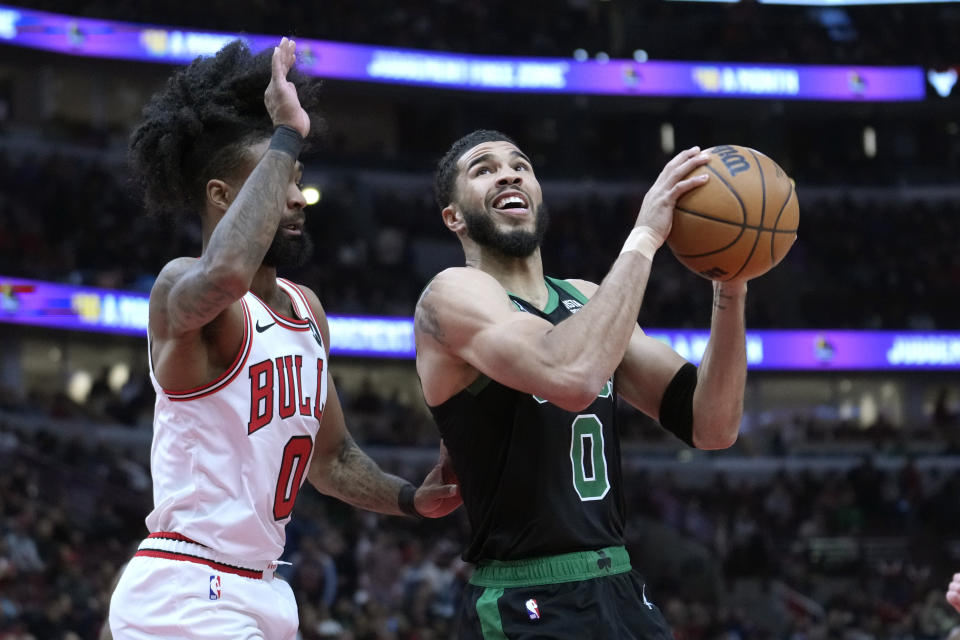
<point x="225" y="378"/>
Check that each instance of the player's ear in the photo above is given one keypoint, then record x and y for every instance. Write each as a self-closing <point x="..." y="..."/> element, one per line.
<point x="453" y="218"/>
<point x="219" y="194"/>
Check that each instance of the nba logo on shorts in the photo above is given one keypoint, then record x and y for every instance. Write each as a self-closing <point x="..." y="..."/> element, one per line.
<point x="214" y="587"/>
<point x="532" y="609"/>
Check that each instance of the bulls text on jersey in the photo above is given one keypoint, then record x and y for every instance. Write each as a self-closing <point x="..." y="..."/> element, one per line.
<point x="276" y="387"/>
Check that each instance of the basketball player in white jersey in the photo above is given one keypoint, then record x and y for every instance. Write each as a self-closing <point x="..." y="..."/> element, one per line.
<point x="246" y="407"/>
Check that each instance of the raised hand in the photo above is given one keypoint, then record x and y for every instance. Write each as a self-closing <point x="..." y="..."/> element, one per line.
<point x="281" y="98"/>
<point x="656" y="212"/>
<point x="440" y="492"/>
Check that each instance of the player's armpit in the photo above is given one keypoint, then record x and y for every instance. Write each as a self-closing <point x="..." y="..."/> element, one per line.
<point x="184" y="356"/>
<point x="645" y="372"/>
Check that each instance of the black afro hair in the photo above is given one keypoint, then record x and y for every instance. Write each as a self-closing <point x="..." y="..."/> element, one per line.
<point x="198" y="126"/>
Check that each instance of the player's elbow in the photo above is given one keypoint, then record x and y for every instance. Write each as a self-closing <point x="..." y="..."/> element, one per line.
<point x="228" y="279"/>
<point x="320" y="475"/>
<point x="715" y="438"/>
<point x="714" y="443"/>
<point x="578" y="390"/>
<point x="574" y="403"/>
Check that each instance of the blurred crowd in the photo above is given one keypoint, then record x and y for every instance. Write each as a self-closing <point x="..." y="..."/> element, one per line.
<point x="862" y="551"/>
<point x="857" y="551"/>
<point x="745" y="31"/>
<point x="861" y="263"/>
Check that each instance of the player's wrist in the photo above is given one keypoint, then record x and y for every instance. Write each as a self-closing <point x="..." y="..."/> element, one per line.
<point x="406" y="501"/>
<point x="288" y="140"/>
<point x="643" y="240"/>
<point x="735" y="288"/>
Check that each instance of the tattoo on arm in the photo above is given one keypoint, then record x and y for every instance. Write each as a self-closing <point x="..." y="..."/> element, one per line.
<point x="257" y="209"/>
<point x="427" y="322"/>
<point x="241" y="239"/>
<point x="202" y="305"/>
<point x="358" y="480"/>
<point x="720" y="299"/>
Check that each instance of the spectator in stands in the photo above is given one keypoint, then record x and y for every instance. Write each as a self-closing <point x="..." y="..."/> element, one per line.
<point x="953" y="592"/>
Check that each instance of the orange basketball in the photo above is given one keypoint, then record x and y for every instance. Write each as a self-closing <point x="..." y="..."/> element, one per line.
<point x="742" y="222"/>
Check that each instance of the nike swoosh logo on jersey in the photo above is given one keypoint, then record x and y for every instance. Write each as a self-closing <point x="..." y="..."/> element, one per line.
<point x="265" y="327"/>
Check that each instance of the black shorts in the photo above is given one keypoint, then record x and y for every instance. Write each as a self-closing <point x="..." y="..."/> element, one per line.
<point x="591" y="595"/>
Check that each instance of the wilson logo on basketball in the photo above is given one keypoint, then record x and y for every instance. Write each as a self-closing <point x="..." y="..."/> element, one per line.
<point x="733" y="161"/>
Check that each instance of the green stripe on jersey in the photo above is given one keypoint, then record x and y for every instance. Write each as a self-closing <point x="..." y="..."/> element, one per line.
<point x="569" y="288"/>
<point x="553" y="299"/>
<point x="491" y="625"/>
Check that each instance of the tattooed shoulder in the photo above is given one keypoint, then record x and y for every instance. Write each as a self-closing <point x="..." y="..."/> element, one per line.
<point x="426" y="317"/>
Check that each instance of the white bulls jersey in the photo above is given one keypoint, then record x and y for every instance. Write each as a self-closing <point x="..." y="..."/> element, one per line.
<point x="228" y="458"/>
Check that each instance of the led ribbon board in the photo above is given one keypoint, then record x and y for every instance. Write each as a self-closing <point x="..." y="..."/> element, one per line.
<point x="60" y="306"/>
<point x="131" y="41"/>
<point x="827" y="349"/>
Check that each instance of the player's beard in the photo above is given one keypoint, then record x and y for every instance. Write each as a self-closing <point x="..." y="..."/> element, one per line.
<point x="516" y="243"/>
<point x="289" y="250"/>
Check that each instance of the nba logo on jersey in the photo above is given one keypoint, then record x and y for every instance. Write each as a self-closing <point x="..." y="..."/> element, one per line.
<point x="214" y="587"/>
<point x="532" y="609"/>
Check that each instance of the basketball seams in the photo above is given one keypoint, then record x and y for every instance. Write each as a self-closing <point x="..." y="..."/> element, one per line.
<point x="763" y="211"/>
<point x="712" y="219"/>
<point x="777" y="221"/>
<point x="743" y="207"/>
<point x="742" y="225"/>
<point x="707" y="216"/>
<point x="709" y="253"/>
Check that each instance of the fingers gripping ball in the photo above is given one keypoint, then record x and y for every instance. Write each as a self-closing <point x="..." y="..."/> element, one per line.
<point x="742" y="222"/>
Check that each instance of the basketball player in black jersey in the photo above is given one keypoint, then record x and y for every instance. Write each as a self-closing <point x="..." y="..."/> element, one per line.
<point x="522" y="373"/>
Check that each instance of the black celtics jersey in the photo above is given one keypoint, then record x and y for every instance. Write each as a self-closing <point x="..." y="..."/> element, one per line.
<point x="536" y="479"/>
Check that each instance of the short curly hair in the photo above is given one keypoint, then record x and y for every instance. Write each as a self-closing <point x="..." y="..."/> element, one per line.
<point x="200" y="124"/>
<point x="446" y="176"/>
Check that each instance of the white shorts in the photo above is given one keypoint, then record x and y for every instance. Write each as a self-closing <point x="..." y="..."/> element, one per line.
<point x="179" y="589"/>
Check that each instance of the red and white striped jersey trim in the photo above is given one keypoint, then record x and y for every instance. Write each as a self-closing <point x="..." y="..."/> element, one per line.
<point x="296" y="293"/>
<point x="173" y="546"/>
<point x="228" y="375"/>
<point x="294" y="324"/>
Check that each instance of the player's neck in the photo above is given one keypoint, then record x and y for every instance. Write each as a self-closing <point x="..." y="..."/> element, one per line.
<point x="264" y="286"/>
<point x="523" y="277"/>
